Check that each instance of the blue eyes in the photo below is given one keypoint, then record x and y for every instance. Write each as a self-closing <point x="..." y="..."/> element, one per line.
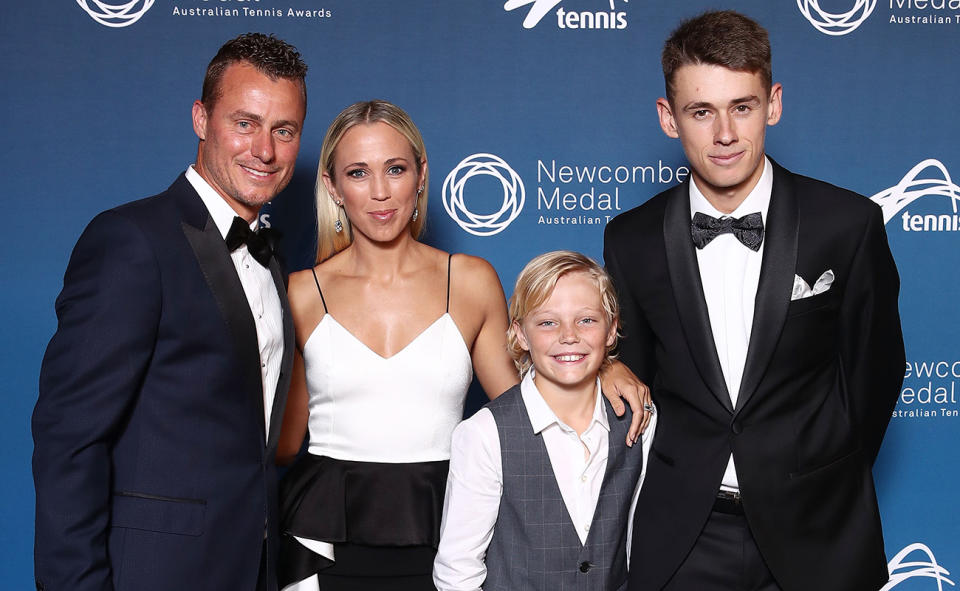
<point x="285" y="134"/>
<point x="359" y="173"/>
<point x="551" y="323"/>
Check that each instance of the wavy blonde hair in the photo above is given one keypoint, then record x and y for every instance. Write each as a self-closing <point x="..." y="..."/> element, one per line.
<point x="330" y="242"/>
<point x="536" y="283"/>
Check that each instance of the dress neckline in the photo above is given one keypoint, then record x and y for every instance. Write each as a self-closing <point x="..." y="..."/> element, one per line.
<point x="402" y="350"/>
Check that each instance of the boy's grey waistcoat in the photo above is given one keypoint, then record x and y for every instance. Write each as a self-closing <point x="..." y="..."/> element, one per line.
<point x="535" y="544"/>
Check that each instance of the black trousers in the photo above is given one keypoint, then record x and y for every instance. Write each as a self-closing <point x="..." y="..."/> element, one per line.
<point x="265" y="582"/>
<point x="724" y="558"/>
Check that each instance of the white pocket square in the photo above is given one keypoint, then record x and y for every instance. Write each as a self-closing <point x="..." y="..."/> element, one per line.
<point x="801" y="289"/>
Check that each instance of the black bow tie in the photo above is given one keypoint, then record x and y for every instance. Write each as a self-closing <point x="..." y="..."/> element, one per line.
<point x="748" y="229"/>
<point x="258" y="242"/>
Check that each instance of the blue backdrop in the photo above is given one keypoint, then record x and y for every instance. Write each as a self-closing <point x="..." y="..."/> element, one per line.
<point x="540" y="117"/>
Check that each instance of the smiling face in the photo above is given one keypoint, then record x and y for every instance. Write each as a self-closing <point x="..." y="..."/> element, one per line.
<point x="250" y="138"/>
<point x="721" y="116"/>
<point x="567" y="336"/>
<point x="376" y="177"/>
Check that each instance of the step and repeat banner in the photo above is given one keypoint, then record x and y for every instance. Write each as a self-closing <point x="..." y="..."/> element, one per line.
<point x="540" y="126"/>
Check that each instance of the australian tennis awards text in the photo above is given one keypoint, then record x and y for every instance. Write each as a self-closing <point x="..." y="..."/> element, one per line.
<point x="929" y="390"/>
<point x="248" y="9"/>
<point x="570" y="194"/>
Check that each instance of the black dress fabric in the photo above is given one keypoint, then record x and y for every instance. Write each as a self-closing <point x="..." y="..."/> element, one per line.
<point x="383" y="519"/>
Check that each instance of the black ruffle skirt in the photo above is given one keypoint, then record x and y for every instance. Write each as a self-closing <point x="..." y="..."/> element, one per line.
<point x="383" y="518"/>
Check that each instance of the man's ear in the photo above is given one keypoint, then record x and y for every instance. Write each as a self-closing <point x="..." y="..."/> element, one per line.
<point x="667" y="122"/>
<point x="199" y="120"/>
<point x="775" y="109"/>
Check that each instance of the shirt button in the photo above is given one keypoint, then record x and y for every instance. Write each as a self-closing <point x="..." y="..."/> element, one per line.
<point x="586" y="527"/>
<point x="583" y="478"/>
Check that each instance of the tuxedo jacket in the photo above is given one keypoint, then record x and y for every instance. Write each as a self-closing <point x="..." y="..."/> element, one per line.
<point x="150" y="463"/>
<point x="821" y="379"/>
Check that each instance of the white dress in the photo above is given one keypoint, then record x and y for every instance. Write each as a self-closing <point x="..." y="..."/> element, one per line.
<point x="370" y="490"/>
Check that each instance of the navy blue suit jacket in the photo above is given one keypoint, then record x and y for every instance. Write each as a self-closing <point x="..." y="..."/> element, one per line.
<point x="821" y="379"/>
<point x="150" y="463"/>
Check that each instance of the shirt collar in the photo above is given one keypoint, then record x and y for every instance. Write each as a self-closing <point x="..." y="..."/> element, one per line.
<point x="219" y="209"/>
<point x="757" y="201"/>
<point x="541" y="416"/>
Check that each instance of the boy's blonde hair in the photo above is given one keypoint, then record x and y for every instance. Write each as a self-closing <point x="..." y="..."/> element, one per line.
<point x="534" y="286"/>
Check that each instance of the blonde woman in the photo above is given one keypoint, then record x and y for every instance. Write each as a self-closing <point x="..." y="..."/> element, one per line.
<point x="390" y="332"/>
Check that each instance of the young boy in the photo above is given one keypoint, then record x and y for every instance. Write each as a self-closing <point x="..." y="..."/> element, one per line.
<point x="541" y="481"/>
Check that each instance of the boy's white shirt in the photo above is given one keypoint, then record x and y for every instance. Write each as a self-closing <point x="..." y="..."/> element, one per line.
<point x="475" y="483"/>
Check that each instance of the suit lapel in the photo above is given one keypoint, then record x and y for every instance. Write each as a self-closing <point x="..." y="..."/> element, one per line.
<point x="286" y="363"/>
<point x="615" y="447"/>
<point x="776" y="281"/>
<point x="688" y="292"/>
<point x="221" y="277"/>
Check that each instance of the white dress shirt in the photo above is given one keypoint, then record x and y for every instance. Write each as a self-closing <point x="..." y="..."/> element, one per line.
<point x="258" y="286"/>
<point x="475" y="483"/>
<point x="730" y="273"/>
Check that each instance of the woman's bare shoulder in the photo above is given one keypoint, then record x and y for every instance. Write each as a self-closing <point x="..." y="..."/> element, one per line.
<point x="474" y="270"/>
<point x="303" y="293"/>
<point x="475" y="280"/>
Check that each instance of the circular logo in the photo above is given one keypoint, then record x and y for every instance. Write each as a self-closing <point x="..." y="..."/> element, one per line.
<point x="841" y="23"/>
<point x="511" y="200"/>
<point x="115" y="15"/>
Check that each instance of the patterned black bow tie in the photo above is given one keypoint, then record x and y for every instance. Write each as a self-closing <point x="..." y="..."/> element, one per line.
<point x="258" y="242"/>
<point x="748" y="229"/>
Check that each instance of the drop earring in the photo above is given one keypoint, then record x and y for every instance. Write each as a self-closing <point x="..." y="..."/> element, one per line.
<point x="337" y="224"/>
<point x="416" y="208"/>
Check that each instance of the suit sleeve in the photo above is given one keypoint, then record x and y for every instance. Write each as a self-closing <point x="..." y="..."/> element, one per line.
<point x="107" y="317"/>
<point x="635" y="347"/>
<point x="871" y="346"/>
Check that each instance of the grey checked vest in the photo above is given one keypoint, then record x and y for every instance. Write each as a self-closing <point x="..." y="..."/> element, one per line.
<point x="535" y="546"/>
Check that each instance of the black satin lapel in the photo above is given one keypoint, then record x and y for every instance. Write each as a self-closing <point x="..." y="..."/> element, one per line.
<point x="221" y="276"/>
<point x="688" y="293"/>
<point x="286" y="363"/>
<point x="779" y="265"/>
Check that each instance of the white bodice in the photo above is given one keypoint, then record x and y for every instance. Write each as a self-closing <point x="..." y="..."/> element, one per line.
<point x="364" y="407"/>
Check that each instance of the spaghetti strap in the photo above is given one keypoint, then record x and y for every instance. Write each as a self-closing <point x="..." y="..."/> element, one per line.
<point x="449" y="257"/>
<point x="320" y="291"/>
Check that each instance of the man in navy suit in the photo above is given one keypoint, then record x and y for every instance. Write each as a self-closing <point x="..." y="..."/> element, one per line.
<point x="761" y="307"/>
<point x="162" y="391"/>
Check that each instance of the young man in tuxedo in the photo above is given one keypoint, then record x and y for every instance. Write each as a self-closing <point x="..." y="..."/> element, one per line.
<point x="761" y="307"/>
<point x="162" y="391"/>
